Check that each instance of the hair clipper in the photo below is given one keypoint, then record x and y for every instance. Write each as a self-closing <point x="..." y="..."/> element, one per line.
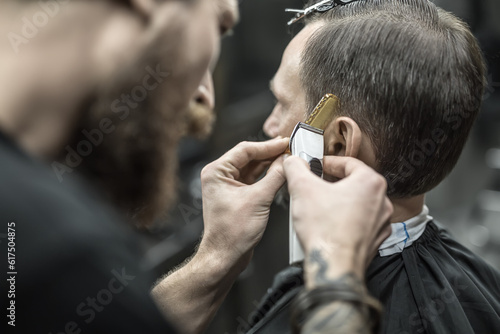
<point x="307" y="142"/>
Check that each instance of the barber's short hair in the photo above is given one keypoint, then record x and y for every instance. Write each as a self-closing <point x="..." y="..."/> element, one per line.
<point x="410" y="74"/>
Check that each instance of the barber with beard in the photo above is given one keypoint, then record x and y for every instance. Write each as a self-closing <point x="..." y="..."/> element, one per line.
<point x="96" y="95"/>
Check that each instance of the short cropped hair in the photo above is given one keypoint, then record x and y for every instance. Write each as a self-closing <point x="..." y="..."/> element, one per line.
<point x="410" y="74"/>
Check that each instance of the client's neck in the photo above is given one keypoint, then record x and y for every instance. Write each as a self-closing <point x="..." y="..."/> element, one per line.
<point x="406" y="208"/>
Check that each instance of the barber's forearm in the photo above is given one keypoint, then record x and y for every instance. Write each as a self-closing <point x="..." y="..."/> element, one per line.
<point x="236" y="205"/>
<point x="323" y="269"/>
<point x="338" y="318"/>
<point x="323" y="265"/>
<point x="191" y="296"/>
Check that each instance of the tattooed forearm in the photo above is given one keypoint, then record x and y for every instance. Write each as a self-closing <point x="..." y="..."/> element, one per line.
<point x="334" y="305"/>
<point x="338" y="318"/>
<point x="318" y="271"/>
<point x="317" y="258"/>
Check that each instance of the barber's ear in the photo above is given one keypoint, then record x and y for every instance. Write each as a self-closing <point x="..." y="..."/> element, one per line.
<point x="343" y="138"/>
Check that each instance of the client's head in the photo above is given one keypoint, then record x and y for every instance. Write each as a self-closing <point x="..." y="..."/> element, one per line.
<point x="410" y="78"/>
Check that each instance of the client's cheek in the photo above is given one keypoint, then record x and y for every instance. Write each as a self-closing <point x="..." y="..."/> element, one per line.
<point x="288" y="127"/>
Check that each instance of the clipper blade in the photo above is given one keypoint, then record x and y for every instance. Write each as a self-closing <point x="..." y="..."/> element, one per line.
<point x="324" y="112"/>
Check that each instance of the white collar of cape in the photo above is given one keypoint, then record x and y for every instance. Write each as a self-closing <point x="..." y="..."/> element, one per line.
<point x="404" y="234"/>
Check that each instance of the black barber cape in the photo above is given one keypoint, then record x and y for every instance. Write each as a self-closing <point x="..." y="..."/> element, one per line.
<point x="76" y="264"/>
<point x="435" y="286"/>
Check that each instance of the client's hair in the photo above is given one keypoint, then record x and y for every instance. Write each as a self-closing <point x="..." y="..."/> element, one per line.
<point x="410" y="74"/>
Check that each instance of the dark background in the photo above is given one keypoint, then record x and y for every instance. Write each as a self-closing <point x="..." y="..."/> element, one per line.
<point x="467" y="202"/>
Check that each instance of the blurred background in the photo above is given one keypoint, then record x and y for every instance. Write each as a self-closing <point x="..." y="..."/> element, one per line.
<point x="467" y="202"/>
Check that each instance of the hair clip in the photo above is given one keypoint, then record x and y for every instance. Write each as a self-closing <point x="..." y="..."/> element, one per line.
<point x="320" y="7"/>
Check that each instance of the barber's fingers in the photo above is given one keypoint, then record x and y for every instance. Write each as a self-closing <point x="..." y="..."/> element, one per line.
<point x="341" y="167"/>
<point x="254" y="170"/>
<point x="245" y="152"/>
<point x="298" y="173"/>
<point x="381" y="237"/>
<point x="274" y="179"/>
<point x="382" y="223"/>
<point x="383" y="227"/>
<point x="388" y="209"/>
<point x="355" y="170"/>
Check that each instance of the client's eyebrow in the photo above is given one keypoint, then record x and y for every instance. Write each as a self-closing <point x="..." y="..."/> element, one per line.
<point x="278" y="95"/>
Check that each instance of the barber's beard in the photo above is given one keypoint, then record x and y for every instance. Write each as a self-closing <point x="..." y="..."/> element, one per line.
<point x="200" y="120"/>
<point x="135" y="165"/>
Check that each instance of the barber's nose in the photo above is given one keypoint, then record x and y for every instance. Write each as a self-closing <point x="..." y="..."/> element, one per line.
<point x="205" y="92"/>
<point x="271" y="126"/>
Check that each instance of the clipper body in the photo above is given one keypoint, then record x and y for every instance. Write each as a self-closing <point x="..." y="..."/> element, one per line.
<point x="307" y="142"/>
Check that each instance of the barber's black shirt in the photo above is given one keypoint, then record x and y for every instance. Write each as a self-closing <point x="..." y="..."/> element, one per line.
<point x="76" y="264"/>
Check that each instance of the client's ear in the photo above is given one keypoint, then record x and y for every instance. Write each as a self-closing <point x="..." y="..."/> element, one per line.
<point x="343" y="137"/>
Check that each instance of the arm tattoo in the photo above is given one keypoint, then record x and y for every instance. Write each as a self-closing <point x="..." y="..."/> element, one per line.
<point x="339" y="316"/>
<point x="350" y="280"/>
<point x="317" y="258"/>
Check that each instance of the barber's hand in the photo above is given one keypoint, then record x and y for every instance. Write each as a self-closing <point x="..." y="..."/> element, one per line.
<point x="235" y="205"/>
<point x="342" y="223"/>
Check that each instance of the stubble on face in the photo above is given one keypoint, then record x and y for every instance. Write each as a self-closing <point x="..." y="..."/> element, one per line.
<point x="135" y="165"/>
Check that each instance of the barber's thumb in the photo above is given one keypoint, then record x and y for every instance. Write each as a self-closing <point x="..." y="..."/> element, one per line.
<point x="295" y="169"/>
<point x="273" y="180"/>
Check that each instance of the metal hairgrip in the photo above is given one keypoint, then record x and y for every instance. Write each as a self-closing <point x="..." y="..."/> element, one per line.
<point x="320" y="7"/>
